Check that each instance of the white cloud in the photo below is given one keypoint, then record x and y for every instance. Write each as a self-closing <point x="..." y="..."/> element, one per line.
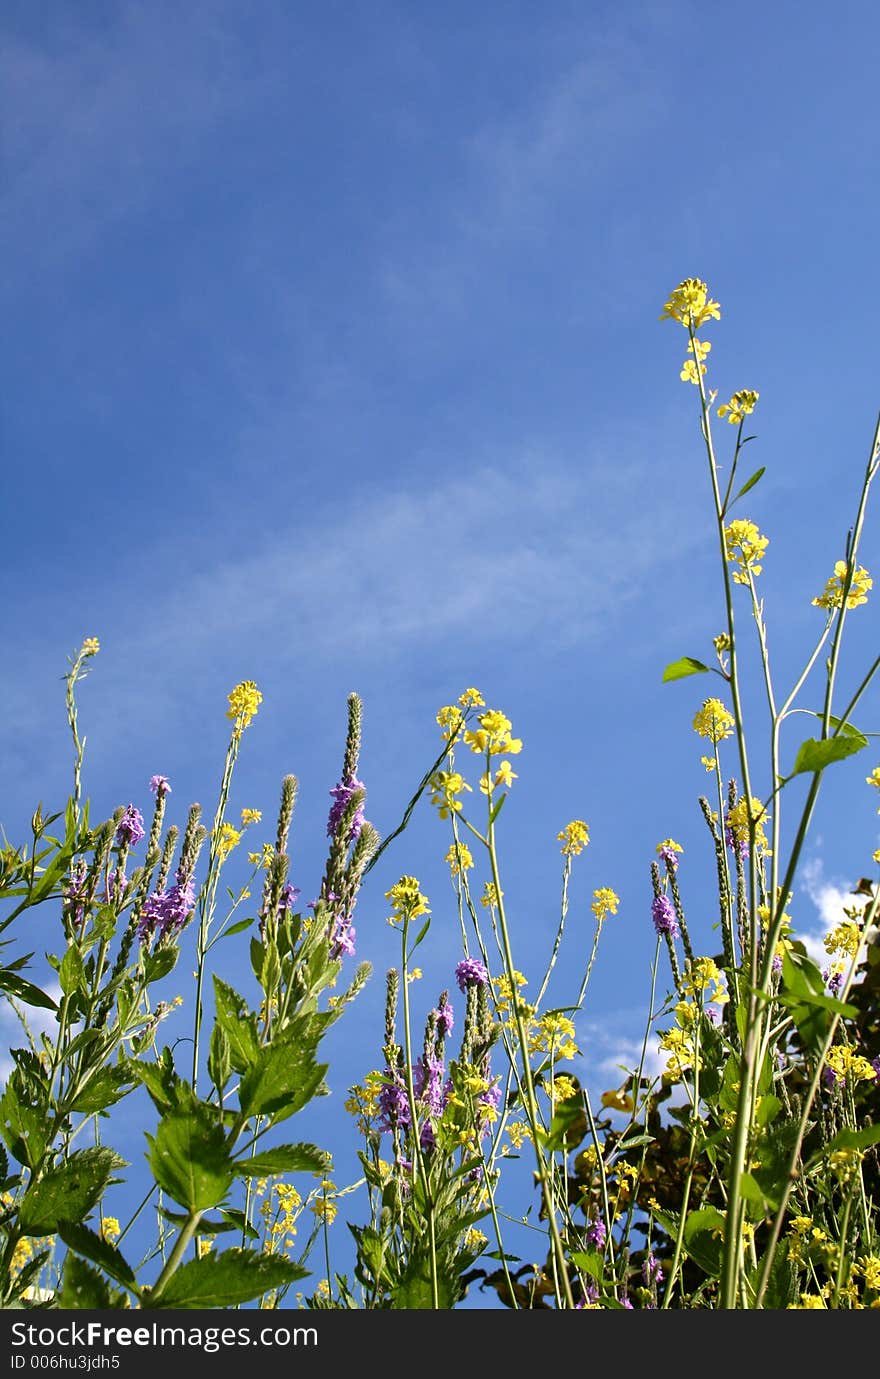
<point x="13" y="1035"/>
<point x="829" y="898"/>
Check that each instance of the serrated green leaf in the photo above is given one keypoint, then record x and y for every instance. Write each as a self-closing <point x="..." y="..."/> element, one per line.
<point x="86" y="1242"/>
<point x="239" y="1024"/>
<point x="589" y="1262"/>
<point x="226" y="1279"/>
<point x="284" y="1158"/>
<point x="71" y="974"/>
<point x="687" y="665"/>
<point x="160" y="963"/>
<point x="815" y="754"/>
<point x="82" y="1287"/>
<point x="282" y="1079"/>
<point x="67" y="1193"/>
<point x="190" y="1158"/>
<point x="25" y="991"/>
<point x="103" y="1089"/>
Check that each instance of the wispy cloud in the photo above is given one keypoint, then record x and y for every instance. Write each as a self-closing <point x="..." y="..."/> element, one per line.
<point x="830" y="896"/>
<point x="14" y="1036"/>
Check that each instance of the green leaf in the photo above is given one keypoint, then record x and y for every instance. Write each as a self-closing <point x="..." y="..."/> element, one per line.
<point x="67" y="1193"/>
<point x="190" y="1159"/>
<point x="846" y="1139"/>
<point x="496" y="809"/>
<point x="283" y="1077"/>
<point x="82" y="1287"/>
<point x="238" y="928"/>
<point x="88" y="1243"/>
<point x="103" y="1089"/>
<point x="224" y="1280"/>
<point x="749" y="483"/>
<point x="239" y="1024"/>
<point x="817" y="753"/>
<point x="284" y="1158"/>
<point x="838" y="724"/>
<point x="23" y="1126"/>
<point x="589" y="1261"/>
<point x="158" y="964"/>
<point x="25" y="991"/>
<point x="70" y="973"/>
<point x="677" y="670"/>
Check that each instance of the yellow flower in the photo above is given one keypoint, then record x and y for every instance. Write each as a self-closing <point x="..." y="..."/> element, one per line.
<point x="471" y="699"/>
<point x="474" y="1240"/>
<point x="738" y="822"/>
<point x="90" y="647"/>
<point x="714" y="721"/>
<point x="844" y="1061"/>
<point x="459" y="858"/>
<point x="564" y="1088"/>
<point x="740" y="406"/>
<point x="493" y="735"/>
<point x="263" y="858"/>
<point x="690" y="304"/>
<point x="450" y="719"/>
<point x="844" y="938"/>
<point x="574" y="838"/>
<point x="110" y="1228"/>
<point x="250" y="816"/>
<point x="709" y="762"/>
<point x="519" y="1132"/>
<point x="406" y="899"/>
<point x="832" y="595"/>
<point x="690" y="372"/>
<point x="605" y="902"/>
<point x="244" y="701"/>
<point x="229" y="838"/>
<point x="490" y="896"/>
<point x="874" y="778"/>
<point x="445" y="785"/>
<point x="869" y="1267"/>
<point x="745" y="546"/>
<point x="669" y="845"/>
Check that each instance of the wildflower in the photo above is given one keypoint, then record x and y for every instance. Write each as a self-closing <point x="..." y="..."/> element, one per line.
<point x="263" y="858"/>
<point x="342" y="794"/>
<point x="324" y="1207"/>
<point x="445" y="1017"/>
<point x="491" y="895"/>
<point x="740" y="406"/>
<point x="229" y="838"/>
<point x="445" y="785"/>
<point x="459" y="858"/>
<point x="667" y="850"/>
<point x="471" y="699"/>
<point x="690" y="372"/>
<point x="470" y="972"/>
<point x="845" y="1062"/>
<point x="130" y="829"/>
<point x="564" y="1087"/>
<point x="690" y="304"/>
<point x="595" y="1232"/>
<point x="90" y="647"/>
<point x="833" y="978"/>
<point x="450" y="719"/>
<point x="714" y="721"/>
<point x="166" y="912"/>
<point x="744" y="546"/>
<point x="651" y="1271"/>
<point x="290" y="894"/>
<point x="110" y="1228"/>
<point x="874" y="779"/>
<point x="504" y="776"/>
<point x="832" y="594"/>
<point x="244" y="701"/>
<point x="709" y="762"/>
<point x="574" y="838"/>
<point x="736" y="831"/>
<point x="475" y="1241"/>
<point x="493" y="735"/>
<point x="160" y="786"/>
<point x="869" y="1268"/>
<point x="393" y="1102"/>
<point x="663" y="914"/>
<point x="518" y="1132"/>
<point x="251" y="816"/>
<point x="554" y="1034"/>
<point x="605" y="902"/>
<point x="407" y="900"/>
<point x="844" y="938"/>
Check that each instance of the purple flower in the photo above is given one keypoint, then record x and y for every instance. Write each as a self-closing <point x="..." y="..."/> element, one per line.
<point x="651" y="1271"/>
<point x="875" y="1064"/>
<point x="595" y="1232"/>
<point x="713" y="1014"/>
<point x="159" y="786"/>
<point x="591" y="1294"/>
<point x="470" y="972"/>
<point x="670" y="857"/>
<point x="742" y="847"/>
<point x="342" y="794"/>
<point x="289" y="896"/>
<point x="342" y="937"/>
<point x="166" y="912"/>
<point x="663" y="914"/>
<point x="130" y="828"/>
<point x="833" y="980"/>
<point x="445" y="1016"/>
<point x="393" y="1102"/>
<point x="830" y="1077"/>
<point x="428" y="1084"/>
<point x="776" y="964"/>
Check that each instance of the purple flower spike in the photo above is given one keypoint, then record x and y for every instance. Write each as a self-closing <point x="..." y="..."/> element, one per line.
<point x="663" y="914"/>
<point x="470" y="972"/>
<point x="342" y="794"/>
<point x="595" y="1232"/>
<point x="445" y="1019"/>
<point x="130" y="828"/>
<point x="160" y="786"/>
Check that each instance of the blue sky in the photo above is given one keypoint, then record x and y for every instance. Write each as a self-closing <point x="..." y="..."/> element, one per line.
<point x="333" y="362"/>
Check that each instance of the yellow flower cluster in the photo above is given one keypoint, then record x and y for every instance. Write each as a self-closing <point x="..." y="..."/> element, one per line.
<point x="690" y="304"/>
<point x="407" y="900"/>
<point x="844" y="938"/>
<point x="229" y="838"/>
<point x="493" y="737"/>
<point x="713" y="721"/>
<point x="738" y="822"/>
<point x="679" y="1045"/>
<point x="740" y="406"/>
<point x="445" y="786"/>
<point x="554" y="1034"/>
<point x="701" y="975"/>
<point x="563" y="1087"/>
<point x="244" y="701"/>
<point x="323" y="1202"/>
<point x="845" y="1062"/>
<point x="832" y="594"/>
<point x="459" y="858"/>
<point x="575" y="836"/>
<point x="692" y="368"/>
<point x="605" y="902"/>
<point x="745" y="546"/>
<point x="452" y="716"/>
<point x="491" y="896"/>
<point x="110" y="1228"/>
<point x="251" y="816"/>
<point x="504" y="776"/>
<point x="90" y="647"/>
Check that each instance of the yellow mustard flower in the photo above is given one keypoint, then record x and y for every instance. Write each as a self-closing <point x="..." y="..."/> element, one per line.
<point x="690" y="372"/>
<point x="691" y="305"/>
<point x="445" y="786"/>
<point x="471" y="699"/>
<point x="251" y="816"/>
<point x="605" y="902"/>
<point x="744" y="546"/>
<point x="832" y="594"/>
<point x="459" y="858"/>
<point x="491" y="895"/>
<point x="90" y="647"/>
<point x="244" y="701"/>
<point x="714" y="721"/>
<point x="406" y="899"/>
<point x="229" y="838"/>
<point x="740" y="406"/>
<point x="574" y="838"/>
<point x="845" y="937"/>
